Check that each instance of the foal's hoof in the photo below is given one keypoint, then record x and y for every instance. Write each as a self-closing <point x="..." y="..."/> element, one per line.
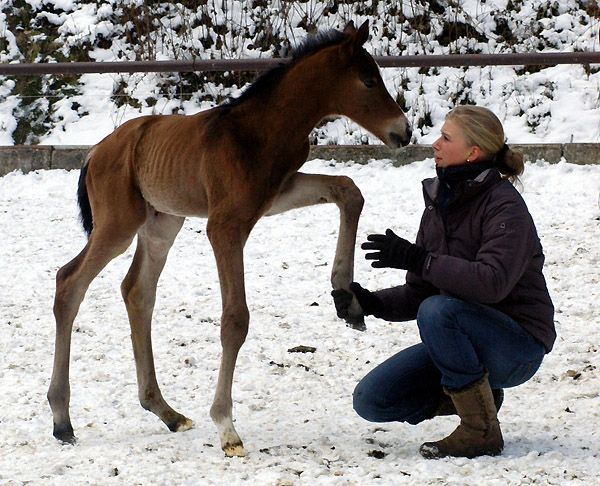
<point x="185" y="424"/>
<point x="357" y="323"/>
<point x="65" y="434"/>
<point x="234" y="450"/>
<point x="180" y="424"/>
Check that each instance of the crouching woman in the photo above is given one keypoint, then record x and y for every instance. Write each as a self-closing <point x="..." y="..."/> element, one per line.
<point x="474" y="283"/>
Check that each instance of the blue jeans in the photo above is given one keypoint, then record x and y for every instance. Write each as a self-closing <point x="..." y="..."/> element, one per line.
<point x="461" y="341"/>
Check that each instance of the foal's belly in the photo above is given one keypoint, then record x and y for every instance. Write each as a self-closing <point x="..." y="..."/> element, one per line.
<point x="176" y="198"/>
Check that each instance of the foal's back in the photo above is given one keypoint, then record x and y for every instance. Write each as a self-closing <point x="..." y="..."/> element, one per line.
<point x="166" y="159"/>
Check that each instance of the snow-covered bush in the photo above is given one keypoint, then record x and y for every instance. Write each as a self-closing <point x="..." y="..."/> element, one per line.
<point x="38" y="109"/>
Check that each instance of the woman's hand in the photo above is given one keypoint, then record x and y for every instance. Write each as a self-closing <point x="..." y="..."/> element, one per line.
<point x="394" y="252"/>
<point x="370" y="304"/>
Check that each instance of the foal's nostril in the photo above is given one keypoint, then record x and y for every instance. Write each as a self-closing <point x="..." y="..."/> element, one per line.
<point x="399" y="140"/>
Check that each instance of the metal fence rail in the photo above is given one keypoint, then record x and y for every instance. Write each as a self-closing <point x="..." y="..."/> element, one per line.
<point x="451" y="60"/>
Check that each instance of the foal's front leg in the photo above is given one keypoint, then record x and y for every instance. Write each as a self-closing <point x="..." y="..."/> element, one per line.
<point x="309" y="189"/>
<point x="227" y="238"/>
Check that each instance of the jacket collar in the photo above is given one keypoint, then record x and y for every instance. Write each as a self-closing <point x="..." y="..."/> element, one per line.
<point x="455" y="174"/>
<point x="433" y="187"/>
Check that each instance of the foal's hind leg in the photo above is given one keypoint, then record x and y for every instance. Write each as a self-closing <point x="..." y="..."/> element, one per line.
<point x="309" y="189"/>
<point x="72" y="281"/>
<point x="139" y="292"/>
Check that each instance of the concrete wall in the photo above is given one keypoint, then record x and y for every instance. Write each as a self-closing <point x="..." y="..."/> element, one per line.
<point x="34" y="157"/>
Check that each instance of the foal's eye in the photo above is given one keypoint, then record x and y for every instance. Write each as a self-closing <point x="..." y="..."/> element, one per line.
<point x="369" y="83"/>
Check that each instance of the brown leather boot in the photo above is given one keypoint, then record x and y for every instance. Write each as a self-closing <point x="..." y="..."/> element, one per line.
<point x="446" y="406"/>
<point x="479" y="431"/>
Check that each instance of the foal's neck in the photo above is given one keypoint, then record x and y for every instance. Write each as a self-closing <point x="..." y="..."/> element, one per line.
<point x="299" y="102"/>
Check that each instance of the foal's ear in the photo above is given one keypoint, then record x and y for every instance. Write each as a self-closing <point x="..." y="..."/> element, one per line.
<point x="350" y="29"/>
<point x="357" y="38"/>
<point x="362" y="34"/>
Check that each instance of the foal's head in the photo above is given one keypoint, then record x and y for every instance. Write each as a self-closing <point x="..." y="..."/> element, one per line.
<point x="359" y="92"/>
<point x="344" y="80"/>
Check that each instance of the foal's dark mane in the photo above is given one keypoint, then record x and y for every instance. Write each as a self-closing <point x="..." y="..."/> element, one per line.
<point x="266" y="82"/>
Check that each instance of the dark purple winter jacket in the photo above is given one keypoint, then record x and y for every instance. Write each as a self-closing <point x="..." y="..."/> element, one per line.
<point x="487" y="251"/>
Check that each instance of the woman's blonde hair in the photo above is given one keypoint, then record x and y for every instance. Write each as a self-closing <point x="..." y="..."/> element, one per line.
<point x="482" y="128"/>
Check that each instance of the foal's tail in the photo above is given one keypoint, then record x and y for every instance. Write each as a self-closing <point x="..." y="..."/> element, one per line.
<point x="85" y="210"/>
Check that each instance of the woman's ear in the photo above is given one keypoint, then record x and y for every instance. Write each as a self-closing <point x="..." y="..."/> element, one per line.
<point x="474" y="154"/>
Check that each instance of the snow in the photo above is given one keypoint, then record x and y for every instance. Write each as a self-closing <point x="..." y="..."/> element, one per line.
<point x="537" y="107"/>
<point x="293" y="410"/>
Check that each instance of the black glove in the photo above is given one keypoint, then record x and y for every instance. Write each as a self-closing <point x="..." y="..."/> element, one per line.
<point x="394" y="252"/>
<point x="341" y="299"/>
<point x="370" y="304"/>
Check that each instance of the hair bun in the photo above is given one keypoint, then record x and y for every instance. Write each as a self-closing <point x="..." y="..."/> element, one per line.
<point x="505" y="148"/>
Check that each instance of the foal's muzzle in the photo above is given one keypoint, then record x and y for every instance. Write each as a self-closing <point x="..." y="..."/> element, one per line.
<point x="401" y="140"/>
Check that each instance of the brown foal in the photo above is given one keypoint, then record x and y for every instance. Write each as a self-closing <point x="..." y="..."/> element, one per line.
<point x="232" y="164"/>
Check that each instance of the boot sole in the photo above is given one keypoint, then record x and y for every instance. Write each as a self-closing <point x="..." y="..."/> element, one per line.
<point x="431" y="451"/>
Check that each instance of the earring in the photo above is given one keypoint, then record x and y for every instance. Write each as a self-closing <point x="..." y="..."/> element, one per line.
<point x="468" y="161"/>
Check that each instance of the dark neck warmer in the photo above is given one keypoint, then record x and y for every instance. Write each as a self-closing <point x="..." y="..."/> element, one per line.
<point x="456" y="174"/>
<point x="450" y="177"/>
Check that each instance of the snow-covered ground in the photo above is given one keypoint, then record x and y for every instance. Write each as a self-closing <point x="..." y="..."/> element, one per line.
<point x="293" y="411"/>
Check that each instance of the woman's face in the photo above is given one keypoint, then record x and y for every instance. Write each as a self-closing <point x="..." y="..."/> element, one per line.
<point x="451" y="148"/>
